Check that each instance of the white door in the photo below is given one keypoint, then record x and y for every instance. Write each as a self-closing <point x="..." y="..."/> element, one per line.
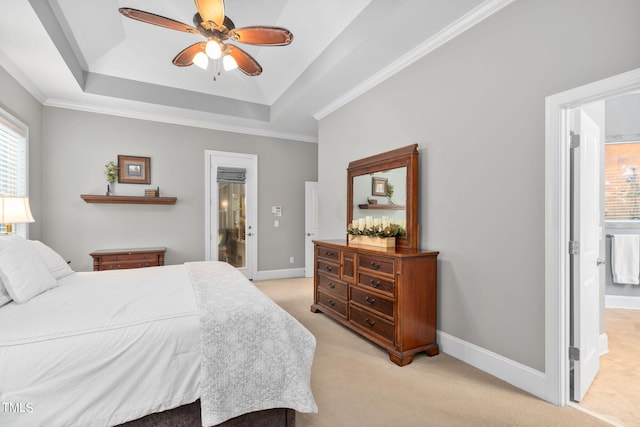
<point x="586" y="230"/>
<point x="231" y="210"/>
<point x="310" y="224"/>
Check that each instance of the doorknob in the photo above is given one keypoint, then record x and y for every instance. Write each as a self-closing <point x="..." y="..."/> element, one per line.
<point x="600" y="261"/>
<point x="309" y="234"/>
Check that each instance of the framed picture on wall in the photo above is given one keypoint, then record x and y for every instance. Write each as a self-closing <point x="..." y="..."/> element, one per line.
<point x="379" y="186"/>
<point x="134" y="170"/>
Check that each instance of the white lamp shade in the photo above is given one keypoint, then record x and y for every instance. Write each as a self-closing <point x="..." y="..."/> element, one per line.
<point x="15" y="210"/>
<point x="229" y="63"/>
<point x="201" y="60"/>
<point x="213" y="49"/>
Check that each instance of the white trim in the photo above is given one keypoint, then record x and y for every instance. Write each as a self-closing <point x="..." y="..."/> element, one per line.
<point x="453" y="30"/>
<point x="557" y="224"/>
<point x="622" y="301"/>
<point x="287" y="273"/>
<point x="208" y="201"/>
<point x="601" y="417"/>
<point x="603" y="344"/>
<point x="20" y="77"/>
<point x="517" y="374"/>
<point x="215" y="124"/>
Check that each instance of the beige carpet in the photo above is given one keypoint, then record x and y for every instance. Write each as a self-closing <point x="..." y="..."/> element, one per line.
<point x="615" y="392"/>
<point x="355" y="384"/>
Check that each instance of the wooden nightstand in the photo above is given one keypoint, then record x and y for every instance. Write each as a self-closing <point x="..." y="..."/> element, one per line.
<point x="118" y="259"/>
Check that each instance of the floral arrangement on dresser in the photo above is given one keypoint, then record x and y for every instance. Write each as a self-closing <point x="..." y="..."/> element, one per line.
<point x="375" y="227"/>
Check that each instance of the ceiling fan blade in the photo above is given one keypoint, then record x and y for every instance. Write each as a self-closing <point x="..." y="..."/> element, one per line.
<point x="245" y="62"/>
<point x="271" y="36"/>
<point x="161" y="21"/>
<point x="185" y="58"/>
<point x="229" y="23"/>
<point x="211" y="10"/>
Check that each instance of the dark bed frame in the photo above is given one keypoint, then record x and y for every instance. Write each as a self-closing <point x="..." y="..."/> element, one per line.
<point x="189" y="416"/>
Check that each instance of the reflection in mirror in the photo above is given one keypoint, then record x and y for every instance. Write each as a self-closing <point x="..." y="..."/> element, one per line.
<point x="370" y="201"/>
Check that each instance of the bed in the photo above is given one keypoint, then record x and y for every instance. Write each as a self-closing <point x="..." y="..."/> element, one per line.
<point x="105" y="348"/>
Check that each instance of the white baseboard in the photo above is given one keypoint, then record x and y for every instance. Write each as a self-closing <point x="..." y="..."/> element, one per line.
<point x="279" y="274"/>
<point x="603" y="344"/>
<point x="621" y="301"/>
<point x="517" y="374"/>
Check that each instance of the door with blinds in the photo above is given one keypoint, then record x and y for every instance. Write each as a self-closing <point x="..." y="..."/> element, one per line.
<point x="232" y="201"/>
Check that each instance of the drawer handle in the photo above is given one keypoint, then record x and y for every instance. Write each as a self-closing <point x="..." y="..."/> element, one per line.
<point x="370" y="300"/>
<point x="375" y="283"/>
<point x="328" y="253"/>
<point x="369" y="322"/>
<point x="332" y="303"/>
<point x="332" y="285"/>
<point x="374" y="265"/>
<point x="115" y="258"/>
<point x="328" y="268"/>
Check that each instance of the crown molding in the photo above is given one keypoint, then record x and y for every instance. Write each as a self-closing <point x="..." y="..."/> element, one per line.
<point x="168" y="118"/>
<point x="453" y="30"/>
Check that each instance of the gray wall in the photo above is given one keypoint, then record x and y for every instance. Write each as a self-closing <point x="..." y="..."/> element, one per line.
<point x="476" y="107"/>
<point x="78" y="144"/>
<point x="19" y="103"/>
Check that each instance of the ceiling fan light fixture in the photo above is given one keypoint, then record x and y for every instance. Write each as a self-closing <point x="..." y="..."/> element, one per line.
<point x="229" y="63"/>
<point x="213" y="49"/>
<point x="201" y="60"/>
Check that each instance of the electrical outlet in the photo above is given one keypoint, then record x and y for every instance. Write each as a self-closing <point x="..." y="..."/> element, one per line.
<point x="291" y="260"/>
<point x="276" y="223"/>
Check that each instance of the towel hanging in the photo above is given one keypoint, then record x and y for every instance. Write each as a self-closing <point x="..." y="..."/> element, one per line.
<point x="625" y="258"/>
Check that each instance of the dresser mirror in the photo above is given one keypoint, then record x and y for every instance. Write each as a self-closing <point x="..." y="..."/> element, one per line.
<point x="386" y="186"/>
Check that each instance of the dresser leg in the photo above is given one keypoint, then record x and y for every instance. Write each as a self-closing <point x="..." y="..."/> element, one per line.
<point x="315" y="309"/>
<point x="433" y="350"/>
<point x="400" y="361"/>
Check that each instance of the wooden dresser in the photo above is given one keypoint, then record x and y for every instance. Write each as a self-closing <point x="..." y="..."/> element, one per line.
<point x="387" y="296"/>
<point x="118" y="259"/>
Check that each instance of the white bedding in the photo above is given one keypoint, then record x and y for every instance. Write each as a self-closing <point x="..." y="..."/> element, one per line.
<point x="136" y="350"/>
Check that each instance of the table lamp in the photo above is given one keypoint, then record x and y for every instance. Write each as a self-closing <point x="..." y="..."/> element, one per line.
<point x="14" y="210"/>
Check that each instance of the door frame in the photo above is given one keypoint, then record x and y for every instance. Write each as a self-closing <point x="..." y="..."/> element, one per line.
<point x="309" y="188"/>
<point x="557" y="223"/>
<point x="252" y="249"/>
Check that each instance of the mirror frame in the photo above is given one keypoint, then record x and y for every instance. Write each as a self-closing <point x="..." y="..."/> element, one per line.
<point x="400" y="157"/>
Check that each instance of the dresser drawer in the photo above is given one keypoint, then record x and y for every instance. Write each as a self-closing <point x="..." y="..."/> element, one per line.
<point x="332" y="286"/>
<point x="372" y="322"/>
<point x="382" y="285"/>
<point x="128" y="257"/>
<point x="372" y="302"/>
<point x="333" y="303"/>
<point x="328" y="253"/>
<point x="328" y="268"/>
<point x="123" y="265"/>
<point x="382" y="265"/>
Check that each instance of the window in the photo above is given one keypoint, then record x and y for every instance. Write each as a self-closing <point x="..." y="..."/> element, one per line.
<point x="13" y="161"/>
<point x="622" y="181"/>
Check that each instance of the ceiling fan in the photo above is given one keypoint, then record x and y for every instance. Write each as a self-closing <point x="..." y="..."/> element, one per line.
<point x="211" y="22"/>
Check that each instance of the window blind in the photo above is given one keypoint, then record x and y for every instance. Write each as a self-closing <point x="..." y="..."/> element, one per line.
<point x="13" y="160"/>
<point x="228" y="174"/>
<point x="622" y="181"/>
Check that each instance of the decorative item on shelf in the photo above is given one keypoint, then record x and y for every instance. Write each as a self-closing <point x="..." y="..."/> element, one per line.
<point x="134" y="170"/>
<point x="370" y="231"/>
<point x="390" y="193"/>
<point x="111" y="173"/>
<point x="152" y="192"/>
<point x="14" y="210"/>
<point x="372" y="201"/>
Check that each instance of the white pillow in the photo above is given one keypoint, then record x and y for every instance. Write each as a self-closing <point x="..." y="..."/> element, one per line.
<point x="56" y="265"/>
<point x="4" y="295"/>
<point x="22" y="270"/>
